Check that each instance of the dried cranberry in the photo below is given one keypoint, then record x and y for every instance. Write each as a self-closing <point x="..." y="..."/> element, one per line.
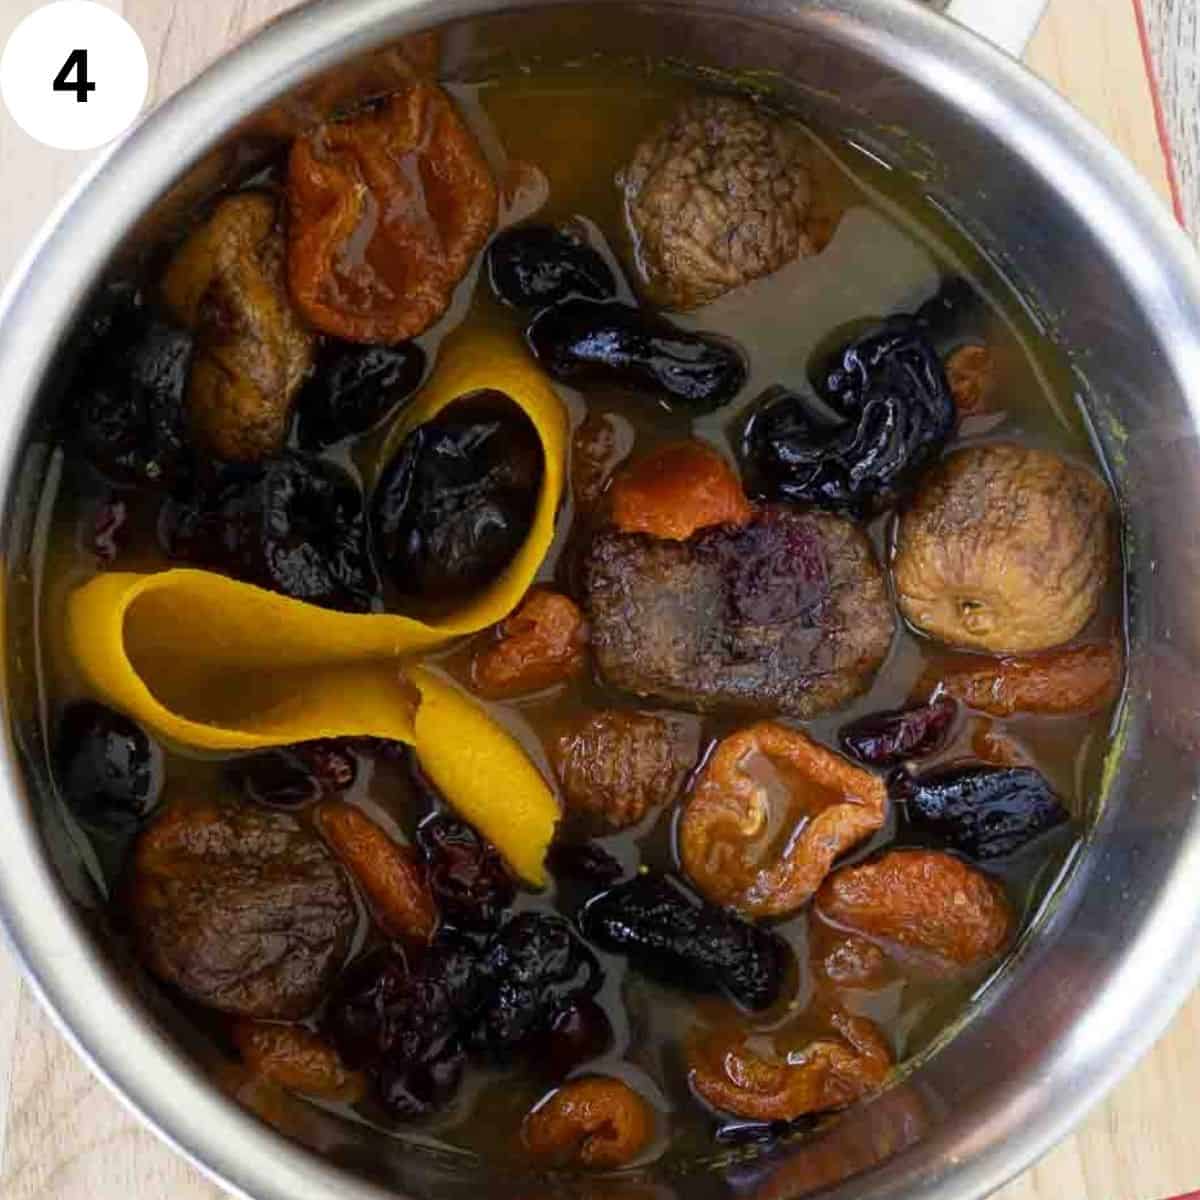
<point x="887" y="738"/>
<point x="295" y="775"/>
<point x="535" y="265"/>
<point x="110" y="771"/>
<point x="583" y="861"/>
<point x="467" y="876"/>
<point x="577" y="1034"/>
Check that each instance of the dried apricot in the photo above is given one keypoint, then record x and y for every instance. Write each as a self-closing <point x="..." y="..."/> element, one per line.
<point x="297" y="1059"/>
<point x="676" y="490"/>
<point x="388" y="208"/>
<point x="540" y="644"/>
<point x="924" y="901"/>
<point x="770" y="812"/>
<point x="594" y="1122"/>
<point x="971" y="373"/>
<point x="829" y="1073"/>
<point x="391" y="875"/>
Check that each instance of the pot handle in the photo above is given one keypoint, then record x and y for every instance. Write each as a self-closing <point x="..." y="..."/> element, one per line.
<point x="1008" y="24"/>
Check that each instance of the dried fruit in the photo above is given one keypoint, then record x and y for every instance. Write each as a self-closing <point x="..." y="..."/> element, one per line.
<point x="467" y="876"/>
<point x="676" y="490"/>
<point x="353" y="388"/>
<point x="892" y="415"/>
<point x="109" y="770"/>
<point x="926" y="902"/>
<point x="617" y="765"/>
<point x="830" y="1072"/>
<point x="297" y="1059"/>
<point x="600" y="443"/>
<point x="887" y="738"/>
<point x="388" y="208"/>
<point x="587" y="862"/>
<point x="605" y="342"/>
<point x="241" y="909"/>
<point x="579" y="1033"/>
<point x="226" y="283"/>
<point x="984" y="812"/>
<point x="850" y="961"/>
<point x="593" y="1122"/>
<point x="109" y="530"/>
<point x="297" y="775"/>
<point x="293" y="525"/>
<point x="1005" y="548"/>
<point x="693" y="945"/>
<point x="971" y="374"/>
<point x="542" y="643"/>
<point x="390" y="875"/>
<point x="768" y="816"/>
<point x="535" y="265"/>
<point x="457" y="500"/>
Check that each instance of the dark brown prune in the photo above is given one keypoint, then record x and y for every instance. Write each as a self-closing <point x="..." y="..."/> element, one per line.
<point x="590" y="341"/>
<point x="294" y="776"/>
<point x="352" y="388"/>
<point x="536" y="265"/>
<point x="109" y="770"/>
<point x="887" y="738"/>
<point x="293" y="525"/>
<point x="468" y="878"/>
<point x="685" y="942"/>
<point x="983" y="812"/>
<point x="535" y="969"/>
<point x="587" y="862"/>
<point x="457" y="500"/>
<point x="888" y="412"/>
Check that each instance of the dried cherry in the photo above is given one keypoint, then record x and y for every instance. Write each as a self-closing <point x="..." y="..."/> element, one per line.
<point x="579" y="1033"/>
<point x="685" y="942"/>
<point x="294" y="776"/>
<point x="457" y="500"/>
<point x="535" y="265"/>
<point x="887" y="738"/>
<point x="592" y="341"/>
<point x="467" y="876"/>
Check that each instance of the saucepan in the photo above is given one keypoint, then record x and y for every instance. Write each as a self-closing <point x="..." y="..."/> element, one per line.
<point x="1101" y="267"/>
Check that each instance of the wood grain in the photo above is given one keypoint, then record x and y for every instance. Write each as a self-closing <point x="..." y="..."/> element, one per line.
<point x="64" y="1137"/>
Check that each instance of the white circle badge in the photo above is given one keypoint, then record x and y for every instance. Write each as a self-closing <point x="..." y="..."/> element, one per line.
<point x="74" y="74"/>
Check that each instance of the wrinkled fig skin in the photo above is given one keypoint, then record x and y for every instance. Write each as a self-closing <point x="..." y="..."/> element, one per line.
<point x="353" y="388"/>
<point x="984" y="812"/>
<point x="241" y="909"/>
<point x="586" y="341"/>
<point x="887" y="738"/>
<point x="687" y="943"/>
<point x="536" y="265"/>
<point x="789" y="614"/>
<point x="894" y="411"/>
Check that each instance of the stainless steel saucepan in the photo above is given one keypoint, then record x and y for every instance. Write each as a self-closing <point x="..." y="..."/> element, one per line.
<point x="1099" y="263"/>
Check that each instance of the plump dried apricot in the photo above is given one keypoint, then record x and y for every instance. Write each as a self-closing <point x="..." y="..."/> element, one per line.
<point x="390" y="875"/>
<point x="830" y="1072"/>
<point x="971" y="373"/>
<point x="1079" y="679"/>
<point x="594" y="1122"/>
<point x="388" y="208"/>
<point x="542" y="643"/>
<point x="295" y="1058"/>
<point x="924" y="901"/>
<point x="677" y="490"/>
<point x="770" y="812"/>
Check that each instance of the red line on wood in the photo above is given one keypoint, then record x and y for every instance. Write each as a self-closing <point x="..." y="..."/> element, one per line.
<point x="1164" y="139"/>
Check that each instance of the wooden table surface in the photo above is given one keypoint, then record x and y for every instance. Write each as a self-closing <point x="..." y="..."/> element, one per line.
<point x="64" y="1137"/>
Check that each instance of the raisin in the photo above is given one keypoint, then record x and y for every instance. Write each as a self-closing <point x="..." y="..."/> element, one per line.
<point x="605" y="342"/>
<point x="110" y="771"/>
<point x="892" y="413"/>
<point x="353" y="388"/>
<point x="984" y="812"/>
<point x="468" y="878"/>
<point x="294" y="776"/>
<point x="541" y="644"/>
<point x="535" y="265"/>
<point x="293" y="525"/>
<point x="587" y="862"/>
<point x="690" y="944"/>
<point x="593" y="1122"/>
<point x="457" y="500"/>
<point x="887" y="738"/>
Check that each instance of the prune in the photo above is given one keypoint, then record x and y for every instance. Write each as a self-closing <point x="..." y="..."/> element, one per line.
<point x="457" y="500"/>
<point x="587" y="862"/>
<point x="129" y="394"/>
<point x="984" y="812"/>
<point x="467" y="876"/>
<point x="605" y="342"/>
<point x="297" y="1059"/>
<point x="535" y="969"/>
<point x="591" y="1122"/>
<point x="892" y="413"/>
<point x="109" y="770"/>
<point x="294" y="776"/>
<point x="293" y="525"/>
<point x="579" y="1033"/>
<point x="535" y="265"/>
<point x="542" y="643"/>
<point x="886" y="738"/>
<point x="352" y="388"/>
<point x="693" y="945"/>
